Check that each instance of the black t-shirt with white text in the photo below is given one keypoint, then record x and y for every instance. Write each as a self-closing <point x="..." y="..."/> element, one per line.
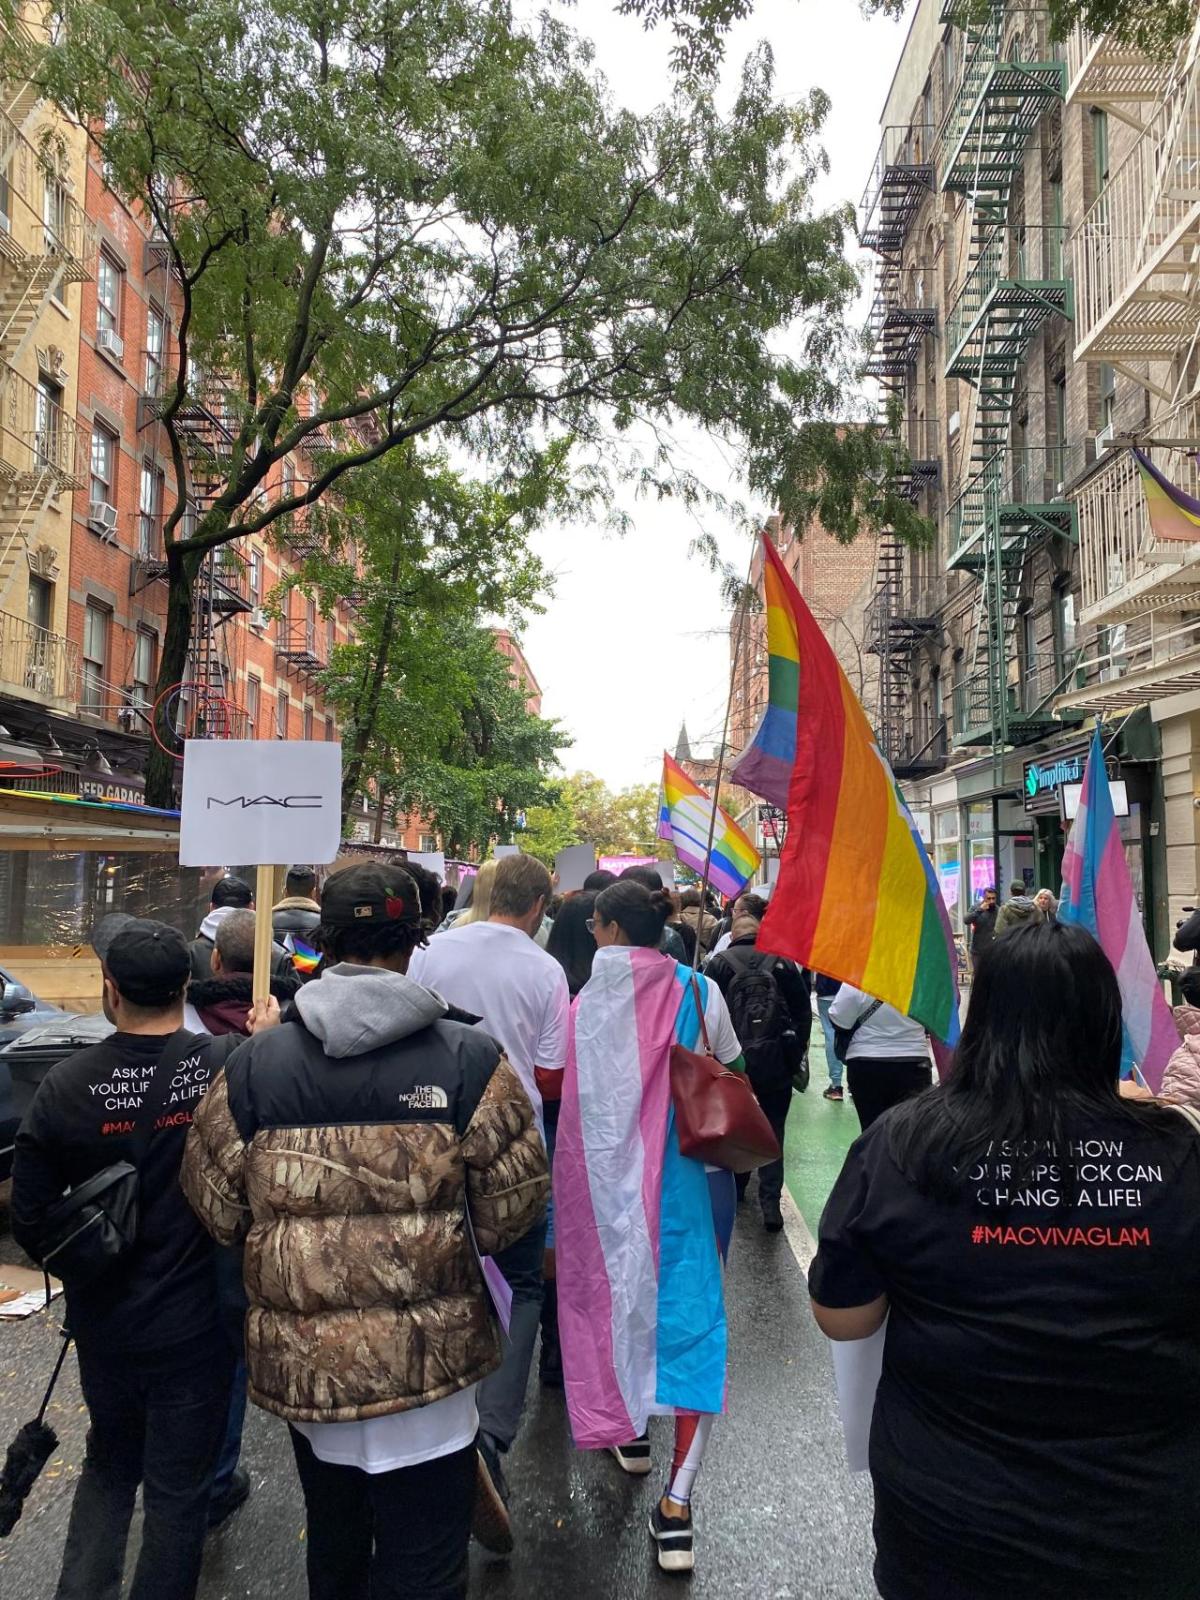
<point x="1036" y="1433"/>
<point x="83" y="1118"/>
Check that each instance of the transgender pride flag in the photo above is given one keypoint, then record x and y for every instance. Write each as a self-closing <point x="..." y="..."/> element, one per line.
<point x="1098" y="895"/>
<point x="641" y="1311"/>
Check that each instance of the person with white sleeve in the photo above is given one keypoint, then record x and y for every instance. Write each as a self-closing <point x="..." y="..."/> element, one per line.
<point x="887" y="1058"/>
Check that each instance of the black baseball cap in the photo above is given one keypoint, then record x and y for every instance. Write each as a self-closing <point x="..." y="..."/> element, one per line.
<point x="148" y="961"/>
<point x="231" y="891"/>
<point x="107" y="929"/>
<point x="371" y="893"/>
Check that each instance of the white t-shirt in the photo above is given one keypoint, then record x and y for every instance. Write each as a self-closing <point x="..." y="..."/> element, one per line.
<point x="403" y="1439"/>
<point x="498" y="973"/>
<point x="886" y="1035"/>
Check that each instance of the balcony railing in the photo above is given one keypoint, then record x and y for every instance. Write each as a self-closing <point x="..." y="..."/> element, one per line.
<point x="1137" y="292"/>
<point x="901" y="174"/>
<point x="1126" y="572"/>
<point x="39" y="441"/>
<point x="1125" y="671"/>
<point x="1016" y="272"/>
<point x="1103" y="72"/>
<point x="1025" y="702"/>
<point x="35" y="661"/>
<point x="42" y="218"/>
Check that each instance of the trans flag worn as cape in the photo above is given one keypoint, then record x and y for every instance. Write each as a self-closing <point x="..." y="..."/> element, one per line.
<point x="1098" y="895"/>
<point x="640" y="1307"/>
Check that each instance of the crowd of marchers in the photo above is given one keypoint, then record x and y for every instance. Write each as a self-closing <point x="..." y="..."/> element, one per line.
<point x="337" y="1204"/>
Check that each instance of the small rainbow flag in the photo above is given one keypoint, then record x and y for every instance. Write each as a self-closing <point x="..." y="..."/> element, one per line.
<point x="857" y="898"/>
<point x="685" y="816"/>
<point x="304" y="958"/>
<point x="1174" y="515"/>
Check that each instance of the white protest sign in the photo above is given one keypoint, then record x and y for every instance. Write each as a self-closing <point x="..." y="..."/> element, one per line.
<point x="260" y="802"/>
<point x="503" y="850"/>
<point x="573" y="865"/>
<point x="432" y="860"/>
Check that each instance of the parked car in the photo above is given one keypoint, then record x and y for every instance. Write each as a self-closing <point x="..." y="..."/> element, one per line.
<point x="27" y="1057"/>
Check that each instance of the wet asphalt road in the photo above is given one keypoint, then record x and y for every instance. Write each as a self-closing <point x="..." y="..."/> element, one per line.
<point x="777" y="1516"/>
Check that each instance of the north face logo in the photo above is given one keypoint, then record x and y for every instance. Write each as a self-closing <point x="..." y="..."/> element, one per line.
<point x="425" y="1097"/>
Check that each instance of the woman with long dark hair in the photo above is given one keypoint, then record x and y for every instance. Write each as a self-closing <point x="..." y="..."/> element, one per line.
<point x="642" y="1229"/>
<point x="1032" y="1240"/>
<point x="572" y="942"/>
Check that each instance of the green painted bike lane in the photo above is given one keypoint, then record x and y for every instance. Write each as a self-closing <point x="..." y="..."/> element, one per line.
<point x="819" y="1132"/>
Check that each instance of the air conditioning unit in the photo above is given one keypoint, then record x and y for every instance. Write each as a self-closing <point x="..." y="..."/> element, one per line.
<point x="109" y="339"/>
<point x="102" y="518"/>
<point x="1104" y="439"/>
<point x="258" y="618"/>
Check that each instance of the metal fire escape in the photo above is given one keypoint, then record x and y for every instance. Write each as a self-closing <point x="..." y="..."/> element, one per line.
<point x="1013" y="283"/>
<point x="902" y="317"/>
<point x="207" y="426"/>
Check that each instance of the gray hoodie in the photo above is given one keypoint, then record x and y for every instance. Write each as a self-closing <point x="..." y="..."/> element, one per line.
<point x="353" y="1009"/>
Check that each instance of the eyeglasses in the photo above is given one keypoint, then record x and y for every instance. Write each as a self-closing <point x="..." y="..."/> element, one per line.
<point x="590" y="924"/>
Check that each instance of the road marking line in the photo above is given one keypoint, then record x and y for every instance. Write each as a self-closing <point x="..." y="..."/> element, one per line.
<point x="796" y="1231"/>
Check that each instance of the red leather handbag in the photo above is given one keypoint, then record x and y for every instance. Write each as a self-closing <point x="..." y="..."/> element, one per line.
<point x="717" y="1118"/>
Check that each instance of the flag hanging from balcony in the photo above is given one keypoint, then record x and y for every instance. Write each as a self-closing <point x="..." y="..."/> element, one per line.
<point x="1098" y="895"/>
<point x="1174" y="515"/>
<point x="685" y="818"/>
<point x="857" y="898"/>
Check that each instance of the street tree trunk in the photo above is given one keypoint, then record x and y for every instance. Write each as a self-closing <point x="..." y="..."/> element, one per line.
<point x="163" y="770"/>
<point x="366" y="711"/>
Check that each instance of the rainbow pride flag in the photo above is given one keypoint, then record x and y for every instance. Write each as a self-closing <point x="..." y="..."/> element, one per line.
<point x="305" y="958"/>
<point x="765" y="766"/>
<point x="685" y="815"/>
<point x="1098" y="895"/>
<point x="1174" y="515"/>
<point x="857" y="898"/>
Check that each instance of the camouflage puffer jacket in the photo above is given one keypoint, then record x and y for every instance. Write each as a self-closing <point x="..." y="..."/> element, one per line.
<point x="348" y="1149"/>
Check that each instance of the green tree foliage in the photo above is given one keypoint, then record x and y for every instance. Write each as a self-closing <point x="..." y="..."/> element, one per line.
<point x="387" y="220"/>
<point x="549" y="828"/>
<point x="617" y="824"/>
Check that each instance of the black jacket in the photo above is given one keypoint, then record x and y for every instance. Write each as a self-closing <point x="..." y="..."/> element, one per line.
<point x="982" y="923"/>
<point x="83" y="1118"/>
<point x="295" y="915"/>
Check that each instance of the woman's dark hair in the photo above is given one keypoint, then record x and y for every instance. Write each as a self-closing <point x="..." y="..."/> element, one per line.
<point x="1189" y="986"/>
<point x="570" y="942"/>
<point x="1040" y="1052"/>
<point x="600" y="879"/>
<point x="639" y="913"/>
<point x="429" y="892"/>
<point x="449" y="900"/>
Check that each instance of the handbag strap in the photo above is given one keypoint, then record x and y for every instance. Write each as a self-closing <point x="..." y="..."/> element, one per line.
<point x="1192" y="1115"/>
<point x="58" y="1366"/>
<point x="700" y="1013"/>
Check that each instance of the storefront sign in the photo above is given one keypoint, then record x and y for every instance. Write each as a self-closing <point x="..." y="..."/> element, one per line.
<point x="130" y="791"/>
<point x="1046" y="776"/>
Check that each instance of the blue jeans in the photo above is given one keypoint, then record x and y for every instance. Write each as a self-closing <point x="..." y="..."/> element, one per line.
<point x="831" y="1061"/>
<point x="501" y="1395"/>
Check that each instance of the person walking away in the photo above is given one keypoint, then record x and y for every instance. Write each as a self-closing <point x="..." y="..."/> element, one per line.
<point x="474" y="899"/>
<point x="153" y="1366"/>
<point x="299" y="912"/>
<point x="702" y="923"/>
<point x="643" y="1230"/>
<point x="1017" y="910"/>
<point x="746" y="905"/>
<point x="826" y="989"/>
<point x="981" y="920"/>
<point x="888" y="1057"/>
<point x="1043" y="1317"/>
<point x="354" y="1148"/>
<point x="494" y="970"/>
<point x="222" y="1003"/>
<point x="573" y="945"/>
<point x="771" y="1010"/>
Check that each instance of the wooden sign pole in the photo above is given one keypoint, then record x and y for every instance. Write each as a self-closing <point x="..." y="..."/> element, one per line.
<point x="264" y="900"/>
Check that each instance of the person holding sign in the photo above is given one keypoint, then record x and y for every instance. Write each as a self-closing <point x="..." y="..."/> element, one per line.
<point x="378" y="1139"/>
<point x="1031" y="1239"/>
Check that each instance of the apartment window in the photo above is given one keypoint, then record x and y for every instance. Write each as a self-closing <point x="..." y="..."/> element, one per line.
<point x="281" y="715"/>
<point x="48" y="432"/>
<point x="1064" y="631"/>
<point x="156" y="335"/>
<point x="1054" y="240"/>
<point x="310" y="627"/>
<point x="39" y="652"/>
<point x="1108" y="395"/>
<point x="150" y="500"/>
<point x="108" y="295"/>
<point x="1100" y="146"/>
<point x="1058" y="399"/>
<point x="95" y="657"/>
<point x="5" y="202"/>
<point x="104" y="465"/>
<point x="330" y="731"/>
<point x="39" y="604"/>
<point x="428" y="843"/>
<point x="112" y="117"/>
<point x="55" y="205"/>
<point x="287" y="478"/>
<point x="308" y="722"/>
<point x="256" y="575"/>
<point x="144" y="649"/>
<point x="253" y="701"/>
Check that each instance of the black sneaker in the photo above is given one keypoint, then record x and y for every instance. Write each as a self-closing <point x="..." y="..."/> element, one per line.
<point x="834" y="1092"/>
<point x="673" y="1536"/>
<point x="772" y="1216"/>
<point x="234" y="1494"/>
<point x="634" y="1457"/>
<point x="490" y="1521"/>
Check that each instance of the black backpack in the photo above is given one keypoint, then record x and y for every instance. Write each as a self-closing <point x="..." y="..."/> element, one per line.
<point x="757" y="1010"/>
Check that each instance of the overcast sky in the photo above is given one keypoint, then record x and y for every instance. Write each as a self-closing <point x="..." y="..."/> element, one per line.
<point x="635" y="637"/>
